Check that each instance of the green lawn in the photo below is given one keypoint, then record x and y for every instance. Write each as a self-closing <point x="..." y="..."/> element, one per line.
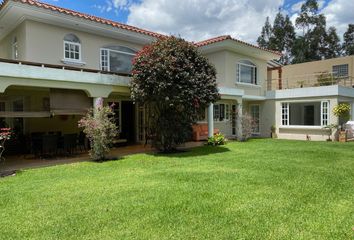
<point x="262" y="189"/>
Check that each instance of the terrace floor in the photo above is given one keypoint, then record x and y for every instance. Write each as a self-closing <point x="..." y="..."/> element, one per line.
<point x="20" y="162"/>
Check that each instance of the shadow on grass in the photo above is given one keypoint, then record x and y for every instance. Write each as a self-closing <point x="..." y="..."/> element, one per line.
<point x="192" y="152"/>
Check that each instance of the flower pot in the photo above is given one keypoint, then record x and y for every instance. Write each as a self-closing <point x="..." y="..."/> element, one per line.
<point x="342" y="136"/>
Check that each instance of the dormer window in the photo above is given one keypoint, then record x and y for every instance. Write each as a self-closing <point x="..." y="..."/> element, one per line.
<point x="72" y="48"/>
<point x="246" y="72"/>
<point x="15" y="49"/>
<point x="117" y="59"/>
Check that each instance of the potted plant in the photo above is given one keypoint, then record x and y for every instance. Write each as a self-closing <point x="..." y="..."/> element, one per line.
<point x="342" y="111"/>
<point x="330" y="129"/>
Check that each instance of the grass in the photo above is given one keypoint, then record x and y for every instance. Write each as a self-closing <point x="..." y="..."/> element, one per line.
<point x="262" y="189"/>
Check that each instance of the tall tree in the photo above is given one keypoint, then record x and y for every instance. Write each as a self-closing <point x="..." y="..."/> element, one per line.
<point x="266" y="34"/>
<point x="280" y="37"/>
<point x="289" y="39"/>
<point x="312" y="44"/>
<point x="333" y="47"/>
<point x="348" y="43"/>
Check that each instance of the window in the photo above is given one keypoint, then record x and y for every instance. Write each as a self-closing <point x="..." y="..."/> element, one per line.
<point x="340" y="70"/>
<point x="285" y="114"/>
<point x="305" y="114"/>
<point x="246" y="72"/>
<point x="254" y="109"/>
<point x="15" y="49"/>
<point x="324" y="112"/>
<point x="117" y="59"/>
<point x="72" y="48"/>
<point x="221" y="112"/>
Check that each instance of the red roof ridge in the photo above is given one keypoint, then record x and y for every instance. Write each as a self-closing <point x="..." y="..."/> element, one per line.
<point x="85" y="16"/>
<point x="228" y="37"/>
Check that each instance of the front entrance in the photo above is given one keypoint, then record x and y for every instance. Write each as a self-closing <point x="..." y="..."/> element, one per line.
<point x="128" y="121"/>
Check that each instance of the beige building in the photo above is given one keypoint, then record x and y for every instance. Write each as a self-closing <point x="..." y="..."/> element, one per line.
<point x="56" y="63"/>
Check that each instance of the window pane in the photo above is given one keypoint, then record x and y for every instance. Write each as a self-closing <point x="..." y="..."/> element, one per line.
<point x="247" y="74"/>
<point x="120" y="62"/>
<point x="77" y="56"/>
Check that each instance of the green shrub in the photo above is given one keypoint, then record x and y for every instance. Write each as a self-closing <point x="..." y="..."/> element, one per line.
<point x="216" y="140"/>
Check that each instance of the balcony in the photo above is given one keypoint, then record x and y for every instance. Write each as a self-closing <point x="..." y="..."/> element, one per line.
<point x="310" y="80"/>
<point x="95" y="83"/>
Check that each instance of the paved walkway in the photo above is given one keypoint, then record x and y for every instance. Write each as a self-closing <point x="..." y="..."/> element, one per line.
<point x="13" y="163"/>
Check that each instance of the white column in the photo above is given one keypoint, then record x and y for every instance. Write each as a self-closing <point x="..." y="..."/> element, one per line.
<point x="97" y="102"/>
<point x="352" y="110"/>
<point x="239" y="120"/>
<point x="211" y="120"/>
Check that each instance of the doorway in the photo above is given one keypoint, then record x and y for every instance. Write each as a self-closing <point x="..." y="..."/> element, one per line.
<point x="128" y="121"/>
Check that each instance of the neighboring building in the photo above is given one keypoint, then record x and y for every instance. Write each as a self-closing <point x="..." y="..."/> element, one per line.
<point x="55" y="63"/>
<point x="309" y="92"/>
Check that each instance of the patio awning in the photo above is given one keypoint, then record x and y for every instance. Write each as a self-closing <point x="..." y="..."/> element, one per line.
<point x="69" y="102"/>
<point x="7" y="114"/>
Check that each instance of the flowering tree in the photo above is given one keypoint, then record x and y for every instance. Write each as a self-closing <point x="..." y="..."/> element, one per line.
<point x="100" y="129"/>
<point x="177" y="83"/>
<point x="247" y="124"/>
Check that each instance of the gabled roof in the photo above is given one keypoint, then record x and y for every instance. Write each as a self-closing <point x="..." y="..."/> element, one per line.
<point x="124" y="26"/>
<point x="228" y="37"/>
<point x="84" y="16"/>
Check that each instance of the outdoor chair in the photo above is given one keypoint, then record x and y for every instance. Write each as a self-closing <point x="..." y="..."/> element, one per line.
<point x="70" y="143"/>
<point x="49" y="145"/>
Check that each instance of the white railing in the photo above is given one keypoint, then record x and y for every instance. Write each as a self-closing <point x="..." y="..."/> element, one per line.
<point x="310" y="80"/>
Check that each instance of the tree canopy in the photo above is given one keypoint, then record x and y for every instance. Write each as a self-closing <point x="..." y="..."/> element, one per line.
<point x="314" y="42"/>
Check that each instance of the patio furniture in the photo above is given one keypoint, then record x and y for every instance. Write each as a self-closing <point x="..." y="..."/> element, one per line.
<point x="70" y="143"/>
<point x="49" y="145"/>
<point x="200" y="131"/>
<point x="82" y="142"/>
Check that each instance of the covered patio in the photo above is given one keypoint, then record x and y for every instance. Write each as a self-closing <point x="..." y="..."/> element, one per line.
<point x="22" y="162"/>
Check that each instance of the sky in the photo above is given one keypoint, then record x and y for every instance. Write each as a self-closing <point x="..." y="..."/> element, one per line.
<point x="197" y="20"/>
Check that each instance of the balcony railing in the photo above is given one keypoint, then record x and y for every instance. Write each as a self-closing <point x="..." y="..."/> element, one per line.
<point x="64" y="67"/>
<point x="310" y="80"/>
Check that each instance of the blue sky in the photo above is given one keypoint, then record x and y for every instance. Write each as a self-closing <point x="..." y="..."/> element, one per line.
<point x="200" y="19"/>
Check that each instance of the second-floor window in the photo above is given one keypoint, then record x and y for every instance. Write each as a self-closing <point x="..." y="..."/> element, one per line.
<point x="72" y="48"/>
<point x="246" y="72"/>
<point x="117" y="59"/>
<point x="15" y="49"/>
<point x="340" y="70"/>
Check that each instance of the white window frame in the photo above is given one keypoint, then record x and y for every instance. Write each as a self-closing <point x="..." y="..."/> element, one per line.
<point x="15" y="49"/>
<point x="217" y="112"/>
<point x="108" y="67"/>
<point x="325" y="113"/>
<point x="285" y="121"/>
<point x="238" y="73"/>
<point x="259" y="117"/>
<point x="72" y="59"/>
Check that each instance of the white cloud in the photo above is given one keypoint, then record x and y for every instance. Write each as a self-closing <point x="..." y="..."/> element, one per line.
<point x="114" y="5"/>
<point x="297" y="6"/>
<point x="200" y="19"/>
<point x="339" y="13"/>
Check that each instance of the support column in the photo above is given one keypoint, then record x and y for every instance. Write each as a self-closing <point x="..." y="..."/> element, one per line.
<point x="97" y="102"/>
<point x="239" y="121"/>
<point x="211" y="120"/>
<point x="352" y="111"/>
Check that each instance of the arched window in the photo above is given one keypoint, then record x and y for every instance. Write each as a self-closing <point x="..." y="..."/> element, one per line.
<point x="246" y="72"/>
<point x="72" y="48"/>
<point x="15" y="49"/>
<point x="117" y="59"/>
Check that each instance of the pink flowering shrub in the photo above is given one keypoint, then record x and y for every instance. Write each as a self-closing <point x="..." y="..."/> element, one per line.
<point x="100" y="129"/>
